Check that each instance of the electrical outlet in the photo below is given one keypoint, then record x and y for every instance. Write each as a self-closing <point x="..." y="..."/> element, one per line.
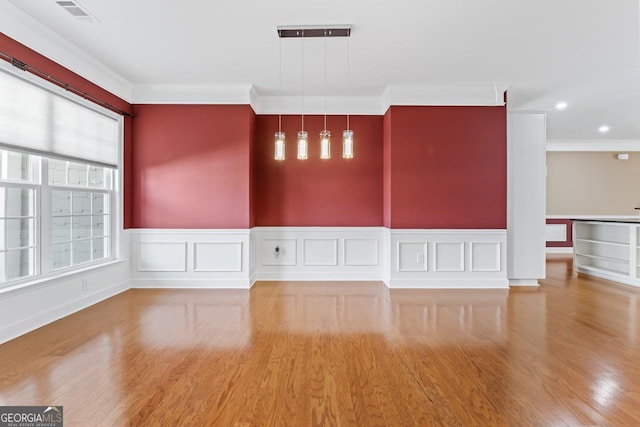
<point x="85" y="285"/>
<point x="420" y="258"/>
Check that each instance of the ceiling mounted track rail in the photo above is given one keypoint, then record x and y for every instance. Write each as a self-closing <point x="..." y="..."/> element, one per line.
<point x="66" y="86"/>
<point x="289" y="31"/>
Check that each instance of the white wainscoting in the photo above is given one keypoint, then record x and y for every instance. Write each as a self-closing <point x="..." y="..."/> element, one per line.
<point x="26" y="308"/>
<point x="400" y="258"/>
<point x="448" y="259"/>
<point x="190" y="258"/>
<point x="319" y="253"/>
<point x="555" y="232"/>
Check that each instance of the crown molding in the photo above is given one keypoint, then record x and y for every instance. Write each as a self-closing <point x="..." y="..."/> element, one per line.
<point x="193" y="94"/>
<point x="357" y="105"/>
<point x="32" y="33"/>
<point x="334" y="105"/>
<point x="608" y="145"/>
<point x="463" y="95"/>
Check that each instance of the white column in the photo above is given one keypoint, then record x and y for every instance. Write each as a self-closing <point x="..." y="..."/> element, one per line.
<point x="526" y="198"/>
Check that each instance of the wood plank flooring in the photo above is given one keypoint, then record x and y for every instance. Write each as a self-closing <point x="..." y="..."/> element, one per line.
<point x="340" y="354"/>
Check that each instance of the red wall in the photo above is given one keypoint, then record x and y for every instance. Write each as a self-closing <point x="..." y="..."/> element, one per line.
<point x="386" y="171"/>
<point x="39" y="62"/>
<point x="252" y="178"/>
<point x="211" y="166"/>
<point x="315" y="192"/>
<point x="448" y="167"/>
<point x="191" y="165"/>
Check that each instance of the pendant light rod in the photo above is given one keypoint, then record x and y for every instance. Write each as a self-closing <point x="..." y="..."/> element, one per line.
<point x="289" y="31"/>
<point x="348" y="85"/>
<point x="279" y="137"/>
<point x="303" y="152"/>
<point x="302" y="78"/>
<point x="325" y="82"/>
<point x="325" y="135"/>
<point x="280" y="85"/>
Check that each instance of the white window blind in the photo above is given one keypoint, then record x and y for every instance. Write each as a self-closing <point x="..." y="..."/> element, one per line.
<point x="35" y="119"/>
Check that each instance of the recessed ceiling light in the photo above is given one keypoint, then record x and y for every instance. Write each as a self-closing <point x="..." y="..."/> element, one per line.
<point x="603" y="129"/>
<point x="561" y="105"/>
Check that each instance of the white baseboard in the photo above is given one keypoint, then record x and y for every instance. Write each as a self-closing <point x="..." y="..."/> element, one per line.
<point x="29" y="323"/>
<point x="163" y="283"/>
<point x="523" y="282"/>
<point x="559" y="250"/>
<point x="448" y="284"/>
<point x="319" y="276"/>
<point x="614" y="277"/>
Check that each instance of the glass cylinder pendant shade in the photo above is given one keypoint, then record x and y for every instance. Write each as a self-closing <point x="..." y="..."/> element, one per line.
<point x="302" y="145"/>
<point x="347" y="144"/>
<point x="279" y="146"/>
<point x="325" y="144"/>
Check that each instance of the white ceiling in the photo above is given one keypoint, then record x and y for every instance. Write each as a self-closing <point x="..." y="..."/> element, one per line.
<point x="585" y="52"/>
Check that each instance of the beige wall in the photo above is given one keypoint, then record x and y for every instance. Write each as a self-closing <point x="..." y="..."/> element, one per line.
<point x="592" y="183"/>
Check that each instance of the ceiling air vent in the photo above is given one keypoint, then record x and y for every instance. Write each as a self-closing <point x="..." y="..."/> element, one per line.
<point x="77" y="11"/>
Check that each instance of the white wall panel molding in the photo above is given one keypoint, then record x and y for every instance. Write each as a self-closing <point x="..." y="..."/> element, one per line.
<point x="386" y="251"/>
<point x="447" y="259"/>
<point x="555" y="232"/>
<point x="448" y="256"/>
<point x="319" y="253"/>
<point x="485" y="256"/>
<point x="412" y="256"/>
<point x="400" y="258"/>
<point x="279" y="251"/>
<point x="217" y="256"/>
<point x="162" y="256"/>
<point x="190" y="258"/>
<point x="361" y="252"/>
<point x="31" y="307"/>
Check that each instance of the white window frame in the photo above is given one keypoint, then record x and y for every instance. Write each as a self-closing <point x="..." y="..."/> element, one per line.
<point x="36" y="238"/>
<point x="47" y="220"/>
<point x="44" y="258"/>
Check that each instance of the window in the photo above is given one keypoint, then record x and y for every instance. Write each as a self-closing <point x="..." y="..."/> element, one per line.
<point x="58" y="161"/>
<point x="75" y="225"/>
<point x="18" y="216"/>
<point x="80" y="205"/>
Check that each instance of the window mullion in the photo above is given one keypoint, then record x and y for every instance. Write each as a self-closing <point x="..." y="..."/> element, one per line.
<point x="46" y="220"/>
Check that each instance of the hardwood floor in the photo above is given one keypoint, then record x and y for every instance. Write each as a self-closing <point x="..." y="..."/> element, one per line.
<point x="322" y="354"/>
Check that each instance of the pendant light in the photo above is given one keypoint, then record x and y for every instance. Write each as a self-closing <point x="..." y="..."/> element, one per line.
<point x="347" y="135"/>
<point x="280" y="136"/>
<point x="325" y="135"/>
<point x="302" y="135"/>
